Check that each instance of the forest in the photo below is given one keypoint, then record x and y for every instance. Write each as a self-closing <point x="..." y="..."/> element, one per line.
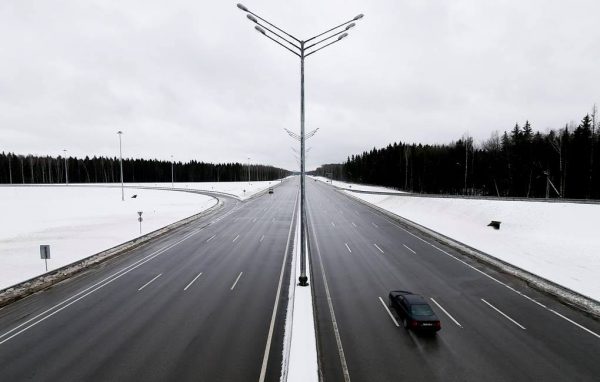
<point x="47" y="169"/>
<point x="561" y="163"/>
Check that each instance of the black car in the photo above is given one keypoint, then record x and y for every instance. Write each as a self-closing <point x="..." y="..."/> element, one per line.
<point x="414" y="311"/>
<point x="270" y="190"/>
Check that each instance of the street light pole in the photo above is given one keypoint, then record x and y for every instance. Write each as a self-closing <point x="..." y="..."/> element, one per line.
<point x="300" y="49"/>
<point x="121" y="164"/>
<point x="66" y="169"/>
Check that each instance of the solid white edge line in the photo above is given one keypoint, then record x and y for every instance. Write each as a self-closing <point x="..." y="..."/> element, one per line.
<point x="149" y="282"/>
<point x="355" y="226"/>
<point x="191" y="282"/>
<point x="263" y="369"/>
<point x="407" y="247"/>
<point x="376" y="246"/>
<point x="261" y="238"/>
<point x="237" y="237"/>
<point x="210" y="238"/>
<point x="504" y="314"/>
<point x="236" y="280"/>
<point x="346" y="244"/>
<point x="336" y="330"/>
<point x="491" y="277"/>
<point x="446" y="312"/>
<point x="375" y="225"/>
<point x="389" y="312"/>
<point x="333" y="224"/>
<point x="100" y="284"/>
<point x="574" y="323"/>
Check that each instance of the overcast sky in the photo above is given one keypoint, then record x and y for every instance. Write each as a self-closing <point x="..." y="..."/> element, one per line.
<point x="194" y="80"/>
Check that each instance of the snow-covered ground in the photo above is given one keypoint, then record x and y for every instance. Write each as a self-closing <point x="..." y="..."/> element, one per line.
<point x="242" y="190"/>
<point x="556" y="241"/>
<point x="78" y="222"/>
<point x="357" y="187"/>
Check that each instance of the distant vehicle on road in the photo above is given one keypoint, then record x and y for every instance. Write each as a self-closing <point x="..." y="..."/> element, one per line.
<point x="270" y="190"/>
<point x="414" y="311"/>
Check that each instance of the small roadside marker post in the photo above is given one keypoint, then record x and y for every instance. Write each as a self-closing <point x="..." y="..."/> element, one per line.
<point x="140" y="220"/>
<point x="45" y="254"/>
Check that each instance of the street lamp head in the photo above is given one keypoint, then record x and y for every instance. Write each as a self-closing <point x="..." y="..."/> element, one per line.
<point x="356" y="18"/>
<point x="260" y="30"/>
<point x="119" y="132"/>
<point x="351" y="25"/>
<point x="242" y="7"/>
<point x="342" y="36"/>
<point x="252" y="18"/>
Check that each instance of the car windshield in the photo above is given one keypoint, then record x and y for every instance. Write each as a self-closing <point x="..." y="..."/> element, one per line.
<point x="421" y="310"/>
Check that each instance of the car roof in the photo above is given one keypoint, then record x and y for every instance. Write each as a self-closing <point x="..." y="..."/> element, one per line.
<point x="415" y="299"/>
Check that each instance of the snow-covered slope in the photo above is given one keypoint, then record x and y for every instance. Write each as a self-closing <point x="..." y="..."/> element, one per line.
<point x="556" y="241"/>
<point x="78" y="222"/>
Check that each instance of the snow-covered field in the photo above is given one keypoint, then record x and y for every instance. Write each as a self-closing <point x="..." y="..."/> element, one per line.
<point x="242" y="190"/>
<point x="556" y="241"/>
<point x="357" y="187"/>
<point x="78" y="222"/>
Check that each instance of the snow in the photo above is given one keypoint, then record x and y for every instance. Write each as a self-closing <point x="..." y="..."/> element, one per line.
<point x="357" y="187"/>
<point x="302" y="362"/>
<point x="556" y="241"/>
<point x="81" y="220"/>
<point x="241" y="190"/>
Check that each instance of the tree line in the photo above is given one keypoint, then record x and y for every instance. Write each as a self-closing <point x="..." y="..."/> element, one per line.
<point x="561" y="163"/>
<point x="21" y="169"/>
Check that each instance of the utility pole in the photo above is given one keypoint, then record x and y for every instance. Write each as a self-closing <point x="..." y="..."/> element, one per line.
<point x="66" y="169"/>
<point x="121" y="164"/>
<point x="248" y="170"/>
<point x="301" y="49"/>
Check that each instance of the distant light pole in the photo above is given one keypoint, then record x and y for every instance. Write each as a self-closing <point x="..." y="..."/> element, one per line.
<point x="248" y="170"/>
<point x="121" y="164"/>
<point x="66" y="169"/>
<point x="300" y="49"/>
<point x="172" y="176"/>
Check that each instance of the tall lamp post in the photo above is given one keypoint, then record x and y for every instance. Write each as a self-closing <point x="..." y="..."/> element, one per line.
<point x="302" y="49"/>
<point x="121" y="164"/>
<point x="172" y="176"/>
<point x="248" y="170"/>
<point x="66" y="169"/>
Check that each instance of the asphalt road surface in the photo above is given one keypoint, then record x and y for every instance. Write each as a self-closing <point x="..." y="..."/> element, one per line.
<point x="494" y="327"/>
<point x="196" y="305"/>
<point x="201" y="304"/>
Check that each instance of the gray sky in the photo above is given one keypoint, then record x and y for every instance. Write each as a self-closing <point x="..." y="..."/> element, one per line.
<point x="194" y="80"/>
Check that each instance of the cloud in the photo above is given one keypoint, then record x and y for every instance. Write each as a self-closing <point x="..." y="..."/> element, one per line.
<point x="194" y="80"/>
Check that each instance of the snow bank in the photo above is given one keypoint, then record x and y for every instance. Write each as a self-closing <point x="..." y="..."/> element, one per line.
<point x="302" y="363"/>
<point x="242" y="190"/>
<point x="78" y="222"/>
<point x="357" y="187"/>
<point x="556" y="241"/>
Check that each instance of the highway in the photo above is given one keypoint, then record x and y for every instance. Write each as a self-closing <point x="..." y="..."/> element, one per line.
<point x="201" y="304"/>
<point x="494" y="327"/>
<point x="198" y="304"/>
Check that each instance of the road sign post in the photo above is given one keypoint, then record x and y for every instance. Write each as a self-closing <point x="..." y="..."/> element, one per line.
<point x="140" y="220"/>
<point x="45" y="254"/>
